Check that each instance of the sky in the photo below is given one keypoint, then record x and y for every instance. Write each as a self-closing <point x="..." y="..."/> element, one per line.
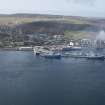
<point x="86" y="8"/>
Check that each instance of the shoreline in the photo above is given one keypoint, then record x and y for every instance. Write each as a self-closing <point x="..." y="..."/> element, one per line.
<point x="14" y="49"/>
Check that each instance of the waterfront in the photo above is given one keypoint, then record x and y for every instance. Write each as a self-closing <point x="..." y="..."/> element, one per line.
<point x="29" y="80"/>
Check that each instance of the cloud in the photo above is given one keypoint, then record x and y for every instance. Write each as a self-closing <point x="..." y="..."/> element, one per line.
<point x="89" y="2"/>
<point x="62" y="7"/>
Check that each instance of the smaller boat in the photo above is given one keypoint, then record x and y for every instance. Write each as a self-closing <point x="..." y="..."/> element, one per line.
<point x="37" y="53"/>
<point x="93" y="56"/>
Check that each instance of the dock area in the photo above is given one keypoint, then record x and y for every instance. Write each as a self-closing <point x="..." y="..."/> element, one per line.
<point x="70" y="52"/>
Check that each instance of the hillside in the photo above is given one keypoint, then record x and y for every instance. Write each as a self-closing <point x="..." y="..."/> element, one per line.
<point x="16" y="19"/>
<point x="35" y="24"/>
<point x="55" y="27"/>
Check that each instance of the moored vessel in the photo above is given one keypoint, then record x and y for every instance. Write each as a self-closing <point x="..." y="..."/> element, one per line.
<point x="95" y="57"/>
<point x="52" y="55"/>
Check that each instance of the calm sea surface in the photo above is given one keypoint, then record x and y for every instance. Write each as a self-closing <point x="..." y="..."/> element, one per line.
<point x="29" y="80"/>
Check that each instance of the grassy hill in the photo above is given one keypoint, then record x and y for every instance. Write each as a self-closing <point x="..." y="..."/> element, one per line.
<point x="15" y="19"/>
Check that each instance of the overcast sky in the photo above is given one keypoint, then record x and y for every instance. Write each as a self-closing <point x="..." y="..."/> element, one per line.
<point x="94" y="8"/>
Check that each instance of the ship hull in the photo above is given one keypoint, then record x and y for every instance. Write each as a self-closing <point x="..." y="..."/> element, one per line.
<point x="96" y="58"/>
<point x="52" y="56"/>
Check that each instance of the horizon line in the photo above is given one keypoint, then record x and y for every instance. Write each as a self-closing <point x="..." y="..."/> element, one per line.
<point x="51" y="14"/>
